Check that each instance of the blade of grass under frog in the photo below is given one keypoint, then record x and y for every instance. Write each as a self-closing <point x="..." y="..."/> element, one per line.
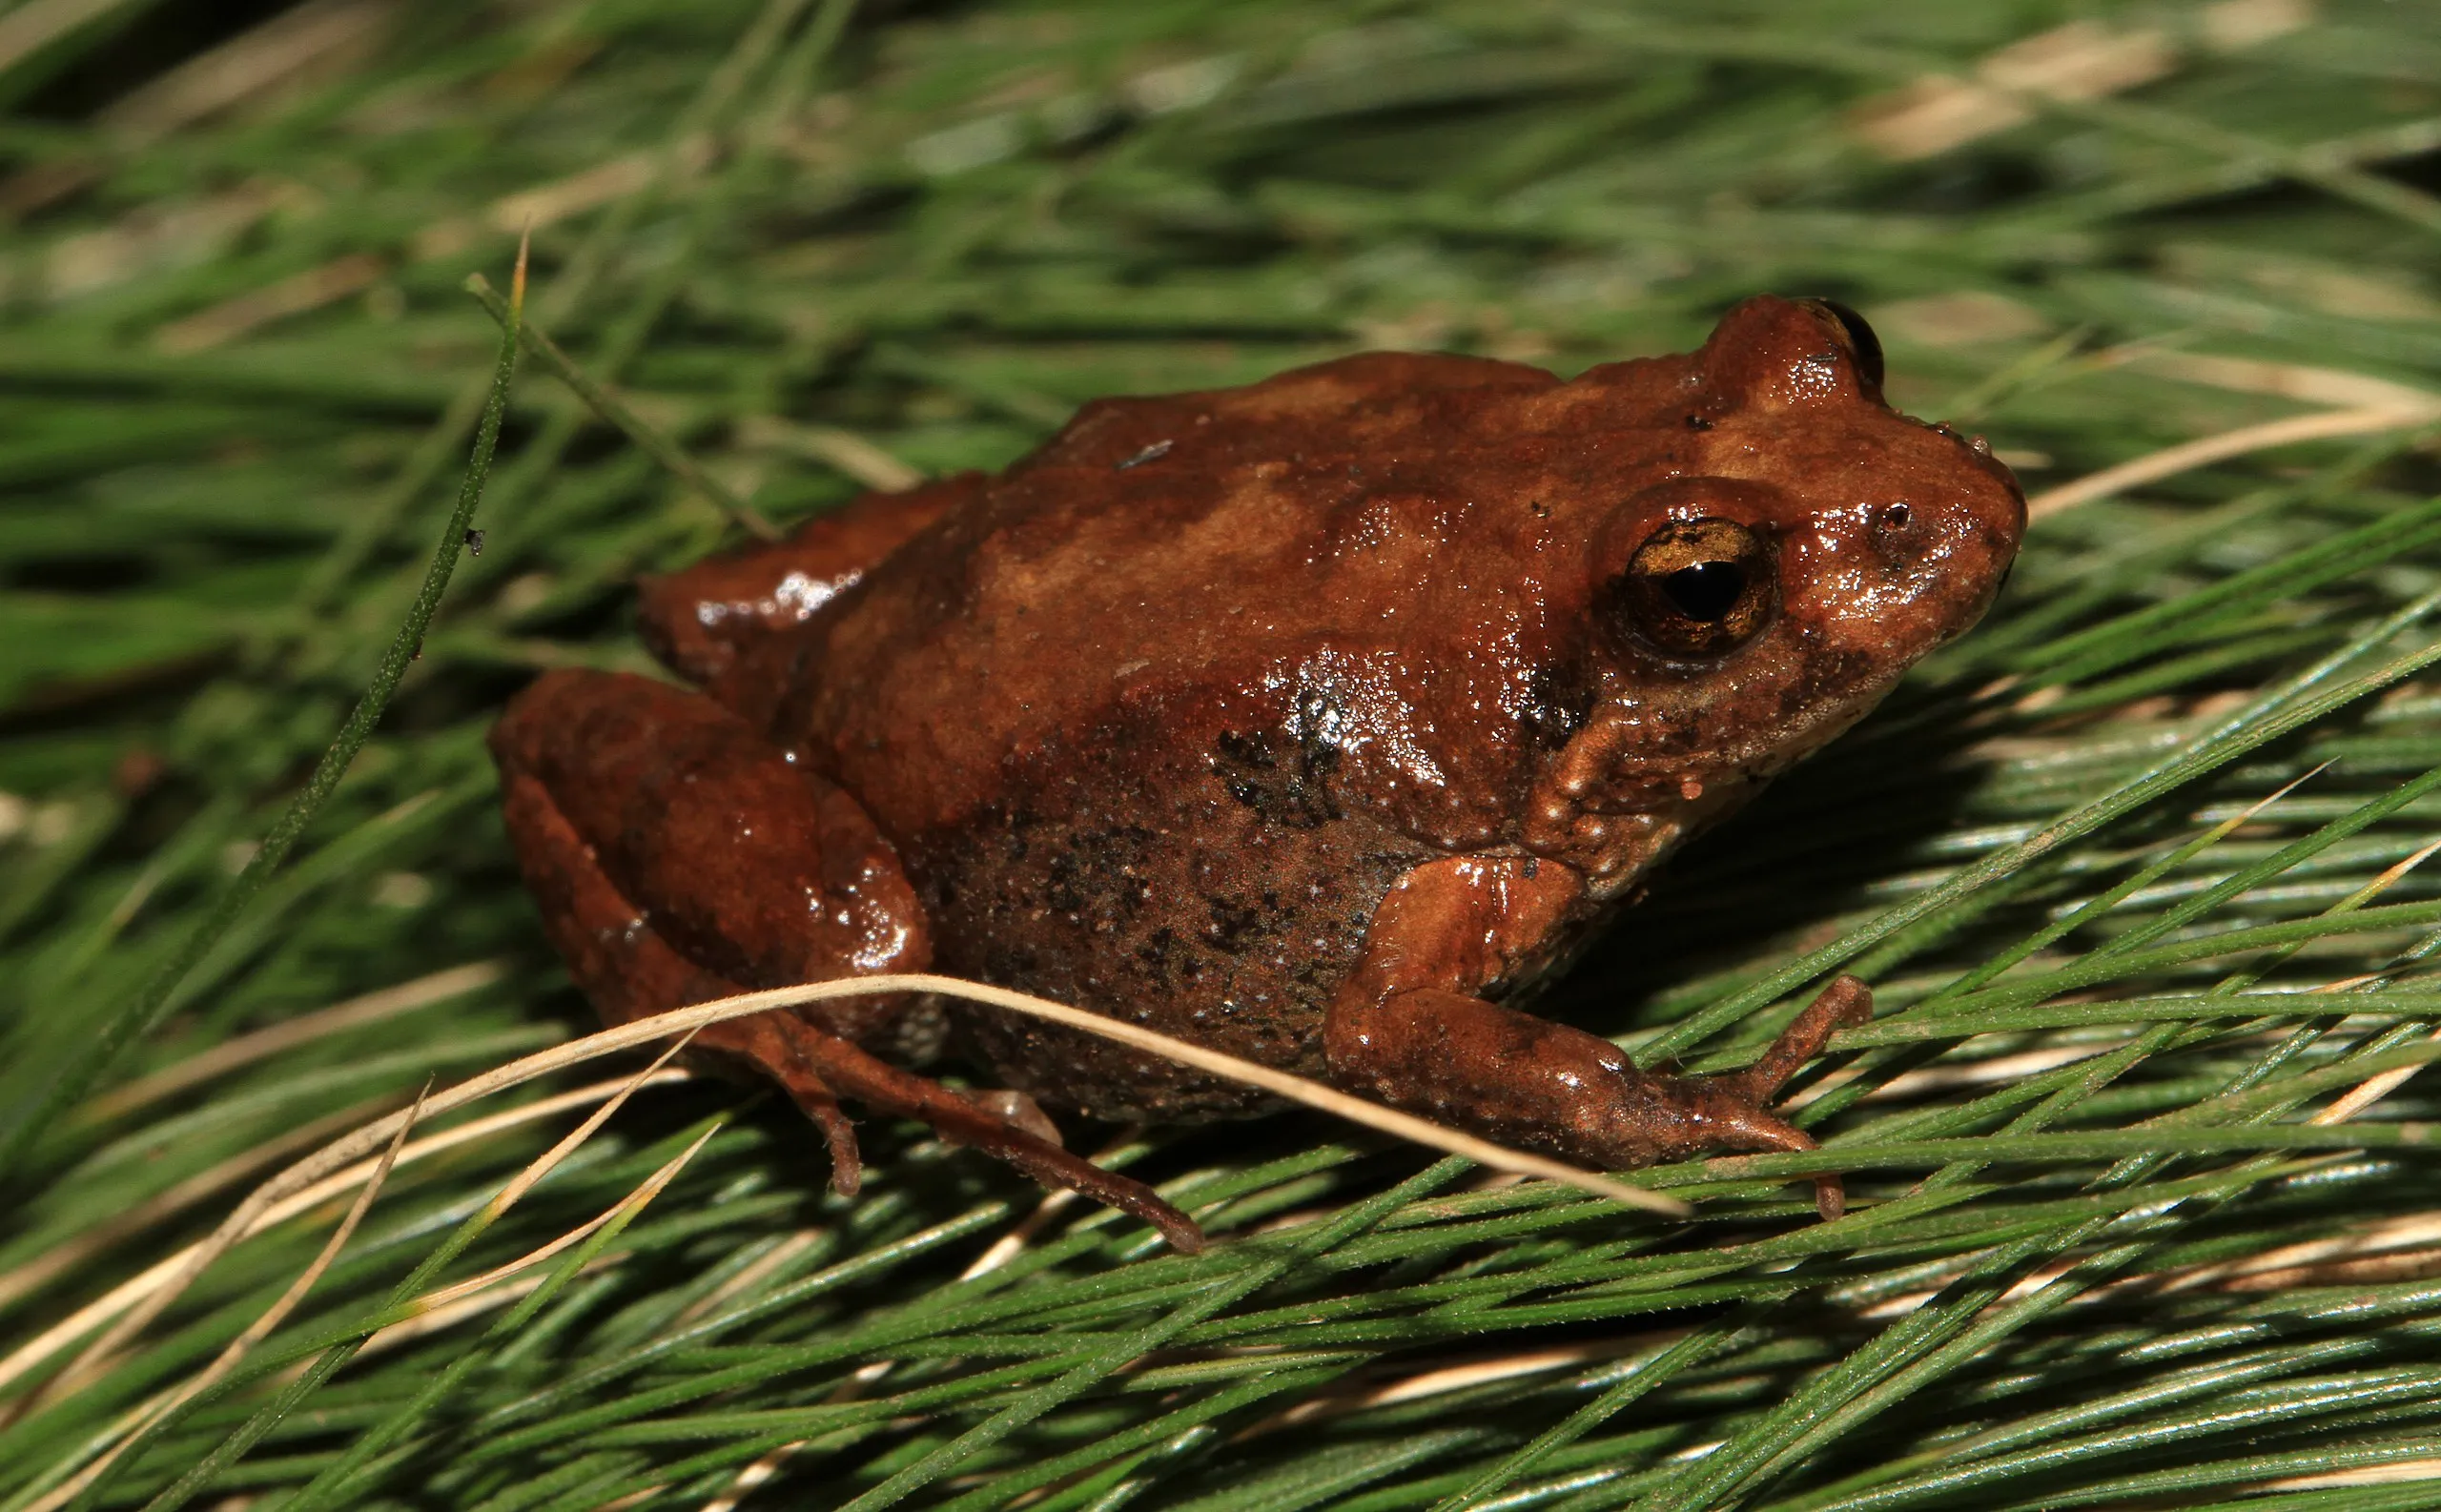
<point x="712" y="108"/>
<point x="608" y="408"/>
<point x="71" y="1079"/>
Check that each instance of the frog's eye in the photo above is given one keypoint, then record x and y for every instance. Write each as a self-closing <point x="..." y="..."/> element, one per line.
<point x="1696" y="587"/>
<point x="1862" y="344"/>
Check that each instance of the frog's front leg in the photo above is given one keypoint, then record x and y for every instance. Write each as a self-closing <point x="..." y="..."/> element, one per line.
<point x="678" y="856"/>
<point x="1408" y="1028"/>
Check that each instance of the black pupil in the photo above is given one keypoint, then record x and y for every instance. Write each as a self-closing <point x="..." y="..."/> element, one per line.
<point x="1705" y="591"/>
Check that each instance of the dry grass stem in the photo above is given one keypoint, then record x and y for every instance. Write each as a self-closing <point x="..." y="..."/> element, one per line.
<point x="541" y="1165"/>
<point x="2080" y="61"/>
<point x="34" y="1274"/>
<point x="372" y="1008"/>
<point x="298" y="294"/>
<point x="850" y="453"/>
<point x="449" y="1314"/>
<point x="2356" y="1099"/>
<point x="311" y="39"/>
<point x="1437" y="1380"/>
<point x="36" y="25"/>
<point x="755" y="1473"/>
<point x="2284" y="1264"/>
<point x="2399" y="1473"/>
<point x="439" y="1307"/>
<point x="2326" y="387"/>
<point x="158" y="1287"/>
<point x="238" y="1349"/>
<point x="327" y="1181"/>
<point x="2189" y="456"/>
<point x="546" y="205"/>
<point x="627" y="1206"/>
<point x="753" y="1275"/>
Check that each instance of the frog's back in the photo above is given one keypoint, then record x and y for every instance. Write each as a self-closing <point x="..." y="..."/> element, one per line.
<point x="1197" y="563"/>
<point x="1159" y="717"/>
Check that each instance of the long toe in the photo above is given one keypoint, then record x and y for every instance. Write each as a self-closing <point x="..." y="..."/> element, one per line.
<point x="1740" y="1126"/>
<point x="887" y="1089"/>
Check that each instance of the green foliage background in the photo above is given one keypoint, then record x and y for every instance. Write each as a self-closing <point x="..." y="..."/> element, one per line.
<point x="2100" y="1254"/>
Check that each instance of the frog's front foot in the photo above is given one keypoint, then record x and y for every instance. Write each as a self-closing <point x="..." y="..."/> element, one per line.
<point x="1409" y="1029"/>
<point x="1731" y="1112"/>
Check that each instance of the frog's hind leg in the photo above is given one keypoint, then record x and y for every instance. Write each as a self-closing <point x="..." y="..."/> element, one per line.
<point x="679" y="857"/>
<point x="699" y="621"/>
<point x="964" y="1120"/>
<point x="630" y="972"/>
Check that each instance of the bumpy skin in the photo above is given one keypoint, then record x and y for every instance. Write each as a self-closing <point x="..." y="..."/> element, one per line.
<point x="1305" y="721"/>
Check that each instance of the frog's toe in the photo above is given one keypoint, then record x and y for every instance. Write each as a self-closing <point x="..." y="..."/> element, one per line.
<point x="962" y="1119"/>
<point x="1724" y="1119"/>
<point x="782" y="1057"/>
<point x="1844" y="1004"/>
<point x="1013" y="1107"/>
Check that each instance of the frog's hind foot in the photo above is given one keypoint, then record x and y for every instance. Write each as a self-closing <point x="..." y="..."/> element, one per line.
<point x="673" y="850"/>
<point x="773" y="1049"/>
<point x="962" y="1120"/>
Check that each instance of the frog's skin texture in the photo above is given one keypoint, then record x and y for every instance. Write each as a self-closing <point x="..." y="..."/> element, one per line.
<point x="1311" y="721"/>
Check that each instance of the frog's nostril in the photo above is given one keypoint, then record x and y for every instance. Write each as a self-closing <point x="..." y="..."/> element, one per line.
<point x="1898" y="517"/>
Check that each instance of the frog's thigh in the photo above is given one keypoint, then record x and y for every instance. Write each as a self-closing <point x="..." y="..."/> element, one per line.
<point x="699" y="619"/>
<point x="1410" y="1028"/>
<point x="679" y="857"/>
<point x="629" y="971"/>
<point x="758" y="872"/>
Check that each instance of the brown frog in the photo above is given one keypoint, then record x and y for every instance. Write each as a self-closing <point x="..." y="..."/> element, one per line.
<point x="1312" y="721"/>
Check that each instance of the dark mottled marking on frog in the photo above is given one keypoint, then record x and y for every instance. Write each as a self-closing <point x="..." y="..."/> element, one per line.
<point x="1558" y="701"/>
<point x="1272" y="925"/>
<point x="1239" y="924"/>
<point x="1829" y="676"/>
<point x="1168" y="961"/>
<point x="1014" y="825"/>
<point x="1097" y="879"/>
<point x="1295" y="794"/>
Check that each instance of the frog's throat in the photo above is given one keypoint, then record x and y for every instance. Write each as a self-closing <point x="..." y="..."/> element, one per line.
<point x="1613" y="809"/>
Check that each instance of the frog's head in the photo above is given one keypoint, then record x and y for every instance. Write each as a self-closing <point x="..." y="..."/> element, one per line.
<point x="1808" y="545"/>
